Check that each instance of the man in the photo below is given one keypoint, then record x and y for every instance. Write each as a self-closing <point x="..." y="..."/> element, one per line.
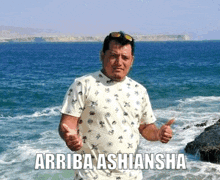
<point x="104" y="112"/>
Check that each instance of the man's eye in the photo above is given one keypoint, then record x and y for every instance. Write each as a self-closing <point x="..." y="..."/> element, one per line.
<point x="125" y="58"/>
<point x="113" y="55"/>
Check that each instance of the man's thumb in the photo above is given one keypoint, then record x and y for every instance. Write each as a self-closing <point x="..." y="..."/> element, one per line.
<point x="69" y="130"/>
<point x="170" y="122"/>
<point x="66" y="128"/>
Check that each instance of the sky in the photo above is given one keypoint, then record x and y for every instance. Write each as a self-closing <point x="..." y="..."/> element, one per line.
<point x="200" y="19"/>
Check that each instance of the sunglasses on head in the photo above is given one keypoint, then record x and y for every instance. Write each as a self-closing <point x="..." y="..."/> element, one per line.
<point x="118" y="34"/>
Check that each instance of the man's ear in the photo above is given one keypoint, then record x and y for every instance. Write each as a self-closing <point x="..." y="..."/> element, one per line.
<point x="132" y="60"/>
<point x="101" y="56"/>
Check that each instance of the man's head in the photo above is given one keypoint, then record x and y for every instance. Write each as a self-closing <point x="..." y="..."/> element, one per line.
<point x="117" y="55"/>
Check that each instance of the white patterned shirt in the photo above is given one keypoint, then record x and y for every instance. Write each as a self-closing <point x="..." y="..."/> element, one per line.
<point x="110" y="114"/>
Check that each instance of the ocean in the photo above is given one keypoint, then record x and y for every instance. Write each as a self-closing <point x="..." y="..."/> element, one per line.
<point x="182" y="79"/>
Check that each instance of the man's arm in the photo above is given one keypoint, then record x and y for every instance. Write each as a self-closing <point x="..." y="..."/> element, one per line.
<point x="68" y="130"/>
<point x="152" y="133"/>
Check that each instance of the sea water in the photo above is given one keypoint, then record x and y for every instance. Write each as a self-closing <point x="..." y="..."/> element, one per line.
<point x="182" y="79"/>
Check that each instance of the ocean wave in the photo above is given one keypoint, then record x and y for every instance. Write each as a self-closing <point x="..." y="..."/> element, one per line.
<point x="200" y="99"/>
<point x="188" y="113"/>
<point x="50" y="111"/>
<point x="6" y="163"/>
<point x="18" y="161"/>
<point x="192" y="110"/>
<point x="53" y="111"/>
<point x="50" y="142"/>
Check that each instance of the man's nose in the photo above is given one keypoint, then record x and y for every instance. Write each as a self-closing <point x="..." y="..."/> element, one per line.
<point x="119" y="60"/>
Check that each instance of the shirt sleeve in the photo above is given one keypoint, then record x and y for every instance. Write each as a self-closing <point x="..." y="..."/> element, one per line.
<point x="148" y="116"/>
<point x="74" y="100"/>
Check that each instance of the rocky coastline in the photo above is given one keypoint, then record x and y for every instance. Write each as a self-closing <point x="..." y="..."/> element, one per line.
<point x="207" y="144"/>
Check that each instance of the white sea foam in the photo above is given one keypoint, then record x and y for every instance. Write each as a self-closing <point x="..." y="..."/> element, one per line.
<point x="18" y="161"/>
<point x="188" y="112"/>
<point x="6" y="163"/>
<point x="193" y="110"/>
<point x="50" y="111"/>
<point x="200" y="99"/>
<point x="53" y="111"/>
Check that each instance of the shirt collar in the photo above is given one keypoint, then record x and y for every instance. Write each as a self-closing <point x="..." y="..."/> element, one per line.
<point x="103" y="78"/>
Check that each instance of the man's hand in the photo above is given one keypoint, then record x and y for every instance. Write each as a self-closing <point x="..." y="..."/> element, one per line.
<point x="165" y="132"/>
<point x="72" y="139"/>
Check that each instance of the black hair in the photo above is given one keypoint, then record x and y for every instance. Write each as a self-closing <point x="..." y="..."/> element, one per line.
<point x="121" y="40"/>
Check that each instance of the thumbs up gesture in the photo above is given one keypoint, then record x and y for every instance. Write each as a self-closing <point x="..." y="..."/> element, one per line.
<point x="72" y="139"/>
<point x="165" y="132"/>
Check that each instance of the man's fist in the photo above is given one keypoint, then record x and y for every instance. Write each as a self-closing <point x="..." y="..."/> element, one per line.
<point x="72" y="139"/>
<point x="165" y="132"/>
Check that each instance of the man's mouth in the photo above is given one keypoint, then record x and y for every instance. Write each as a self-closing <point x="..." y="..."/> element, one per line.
<point x="118" y="69"/>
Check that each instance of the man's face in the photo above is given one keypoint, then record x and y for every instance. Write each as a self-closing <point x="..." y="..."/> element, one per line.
<point x="117" y="60"/>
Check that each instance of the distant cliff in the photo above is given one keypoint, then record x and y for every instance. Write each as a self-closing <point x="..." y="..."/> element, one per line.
<point x="6" y="36"/>
<point x="161" y="37"/>
<point x="101" y="39"/>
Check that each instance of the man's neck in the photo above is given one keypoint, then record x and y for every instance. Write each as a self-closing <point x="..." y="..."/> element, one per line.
<point x="117" y="80"/>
